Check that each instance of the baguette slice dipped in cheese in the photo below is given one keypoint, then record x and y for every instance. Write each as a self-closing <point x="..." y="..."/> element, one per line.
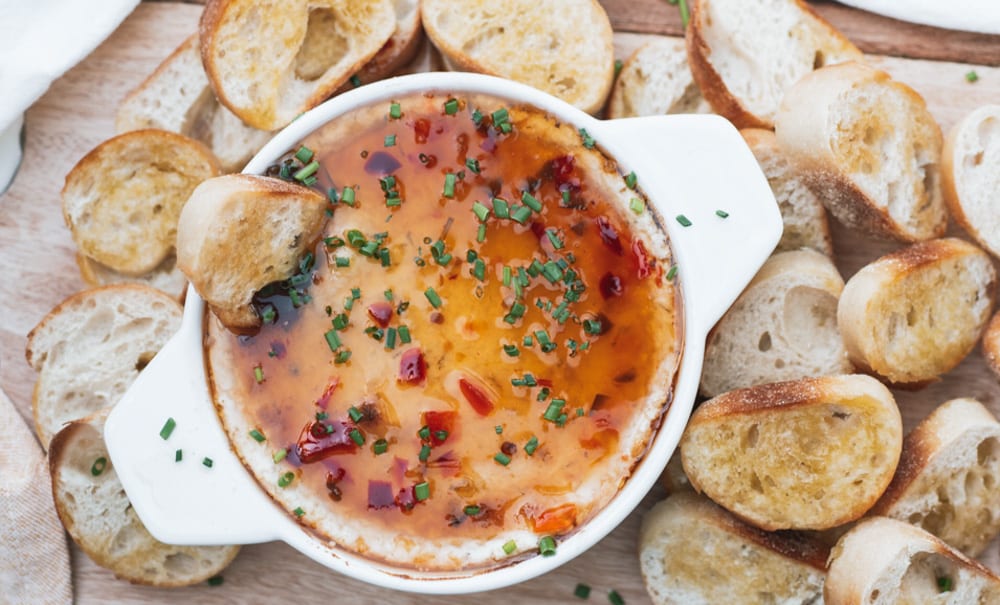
<point x="807" y="454"/>
<point x="746" y="54"/>
<point x="887" y="562"/>
<point x="97" y="514"/>
<point x="89" y="349"/>
<point x="122" y="200"/>
<point x="240" y="232"/>
<point x="656" y="80"/>
<point x="563" y="47"/>
<point x="270" y="61"/>
<point x="948" y="479"/>
<point x="970" y="167"/>
<point x="691" y="552"/>
<point x="869" y="148"/>
<point x="802" y="212"/>
<point x="782" y="327"/>
<point x="915" y="314"/>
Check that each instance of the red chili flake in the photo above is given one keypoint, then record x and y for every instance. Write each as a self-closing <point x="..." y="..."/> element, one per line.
<point x="555" y="520"/>
<point x="412" y="367"/>
<point x="609" y="235"/>
<point x="332" y="481"/>
<point x="563" y="169"/>
<point x="324" y="399"/>
<point x="643" y="264"/>
<point x="611" y="285"/>
<point x="406" y="499"/>
<point x="538" y="229"/>
<point x="440" y="421"/>
<point x="381" y="313"/>
<point x="318" y="441"/>
<point x="421" y="130"/>
<point x="477" y="397"/>
<point x="380" y="495"/>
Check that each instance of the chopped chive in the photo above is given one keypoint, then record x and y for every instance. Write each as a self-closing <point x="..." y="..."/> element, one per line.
<point x="721" y="214"/>
<point x="588" y="141"/>
<point x="441" y="435"/>
<point x="477" y="117"/>
<point x="592" y="326"/>
<point x="347" y="196"/>
<point x="449" y="185"/>
<point x="422" y="491"/>
<point x="342" y="357"/>
<point x="178" y="455"/>
<point x="531" y="201"/>
<point x="507" y="273"/>
<point x="424" y="432"/>
<point x="472" y="510"/>
<point x="565" y="197"/>
<point x="554" y="238"/>
<point x="340" y="321"/>
<point x="500" y="117"/>
<point x="479" y="270"/>
<point x="342" y="261"/>
<point x="390" y="140"/>
<point x="207" y="462"/>
<point x="322" y="415"/>
<point x="552" y="272"/>
<point x="432" y="297"/>
<point x="547" y="546"/>
<point x="355" y="81"/>
<point x="685" y="17"/>
<point x="306" y="171"/>
<point x="554" y="410"/>
<point x="451" y="107"/>
<point x="582" y="591"/>
<point x="630" y="180"/>
<point x="168" y="428"/>
<point x="355" y="293"/>
<point x="516" y="312"/>
<point x="531" y="446"/>
<point x="390" y="339"/>
<point x="972" y="76"/>
<point x="528" y="341"/>
<point x="425" y="453"/>
<point x="395" y="111"/>
<point x="502" y="458"/>
<point x="509" y="547"/>
<point x="521" y="214"/>
<point x="355" y="414"/>
<point x="498" y="429"/>
<point x="304" y="154"/>
<point x="258" y="436"/>
<point x="298" y="512"/>
<point x="636" y="205"/>
<point x="618" y="66"/>
<point x="348" y="303"/>
<point x="332" y="340"/>
<point x="481" y="233"/>
<point x="481" y="211"/>
<point x="215" y="581"/>
<point x="683" y="220"/>
<point x="357" y="437"/>
<point x="501" y="209"/>
<point x="393" y="201"/>
<point x="380" y="447"/>
<point x="404" y="335"/>
<point x="472" y="164"/>
<point x="672" y="273"/>
<point x="98" y="467"/>
<point x="544" y="394"/>
<point x="286" y="479"/>
<point x="511" y="350"/>
<point x="944" y="584"/>
<point x="279" y="455"/>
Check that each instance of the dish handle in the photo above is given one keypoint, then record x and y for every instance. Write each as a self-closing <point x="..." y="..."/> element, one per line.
<point x="173" y="458"/>
<point x="719" y="210"/>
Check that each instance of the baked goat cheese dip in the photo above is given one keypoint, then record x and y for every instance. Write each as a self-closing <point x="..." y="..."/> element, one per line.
<point x="478" y="352"/>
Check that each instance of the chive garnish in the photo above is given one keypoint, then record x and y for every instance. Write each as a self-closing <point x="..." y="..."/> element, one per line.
<point x="451" y="107"/>
<point x="472" y="164"/>
<point x="286" y="479"/>
<point x="380" y="447"/>
<point x="347" y="196"/>
<point x="441" y="435"/>
<point x="618" y="67"/>
<point x="500" y="117"/>
<point x="630" y="180"/>
<point x="944" y="584"/>
<point x="449" y="185"/>
<point x="306" y="171"/>
<point x="395" y="111"/>
<point x="207" y="462"/>
<point x="547" y="546"/>
<point x="683" y="220"/>
<point x="544" y="394"/>
<point x="422" y="491"/>
<point x="168" y="428"/>
<point x="357" y="437"/>
<point x="593" y="326"/>
<point x="582" y="591"/>
<point x="178" y="456"/>
<point x="390" y="339"/>
<point x="332" y="340"/>
<point x="424" y="432"/>
<point x="588" y="141"/>
<point x="479" y="269"/>
<point x="481" y="233"/>
<point x="390" y="140"/>
<point x="279" y="455"/>
<point x="298" y="512"/>
<point x="425" y="453"/>
<point x="672" y="273"/>
<point x="511" y="350"/>
<point x="972" y="76"/>
<point x="342" y="357"/>
<point x="501" y="209"/>
<point x="404" y="334"/>
<point x="432" y="297"/>
<point x="521" y="214"/>
<point x="721" y="214"/>
<point x="502" y="458"/>
<point x="498" y="429"/>
<point x="481" y="211"/>
<point x="304" y="155"/>
<point x="554" y="238"/>
<point x="98" y="467"/>
<point x="355" y="414"/>
<point x="531" y="201"/>
<point x="554" y="410"/>
<point x="636" y="205"/>
<point x="258" y="436"/>
<point x="509" y="547"/>
<point x="685" y="13"/>
<point x="472" y="510"/>
<point x="531" y="446"/>
<point x="355" y="81"/>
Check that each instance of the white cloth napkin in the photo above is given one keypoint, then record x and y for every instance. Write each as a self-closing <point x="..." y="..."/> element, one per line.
<point x="34" y="557"/>
<point x="39" y="41"/>
<point x="969" y="15"/>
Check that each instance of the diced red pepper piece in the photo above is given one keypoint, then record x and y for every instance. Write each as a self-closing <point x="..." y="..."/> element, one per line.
<point x="317" y="441"/>
<point x="406" y="499"/>
<point x="412" y="367"/>
<point x="381" y="313"/>
<point x="476" y="396"/>
<point x="609" y="235"/>
<point x="555" y="520"/>
<point x="643" y="264"/>
<point x="440" y="421"/>
<point x="611" y="285"/>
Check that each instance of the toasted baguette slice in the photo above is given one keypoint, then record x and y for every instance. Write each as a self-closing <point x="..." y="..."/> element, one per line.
<point x="98" y="516"/>
<point x="178" y="98"/>
<point x="563" y="47"/>
<point x="746" y="54"/>
<point x="122" y="200"/>
<point x="239" y="233"/>
<point x="397" y="52"/>
<point x="948" y="479"/>
<point x="887" y="562"/>
<point x="991" y="344"/>
<point x="808" y="454"/>
<point x="269" y="62"/>
<point x="869" y="148"/>
<point x="89" y="349"/>
<point x="802" y="213"/>
<point x="782" y="327"/>
<point x="165" y="278"/>
<point x="916" y="313"/>
<point x="656" y="80"/>
<point x="970" y="167"/>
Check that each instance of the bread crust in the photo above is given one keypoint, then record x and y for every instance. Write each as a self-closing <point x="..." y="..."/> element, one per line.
<point x="951" y="166"/>
<point x="991" y="344"/>
<point x="398" y="50"/>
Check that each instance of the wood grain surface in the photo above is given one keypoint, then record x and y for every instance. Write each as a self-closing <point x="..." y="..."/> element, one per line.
<point x="36" y="254"/>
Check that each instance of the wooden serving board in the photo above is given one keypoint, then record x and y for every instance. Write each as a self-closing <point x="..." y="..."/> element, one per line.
<point x="36" y="254"/>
